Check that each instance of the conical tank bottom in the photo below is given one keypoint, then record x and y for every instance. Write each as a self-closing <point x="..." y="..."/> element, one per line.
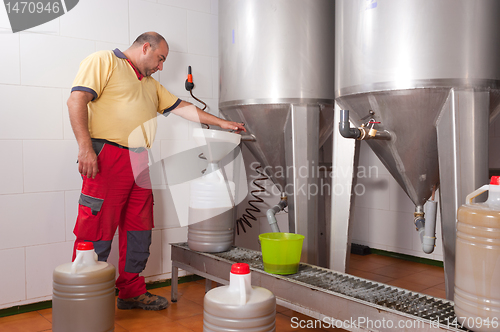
<point x="267" y="123"/>
<point x="411" y="155"/>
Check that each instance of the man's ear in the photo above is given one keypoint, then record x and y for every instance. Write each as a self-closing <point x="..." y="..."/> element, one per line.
<point x="145" y="48"/>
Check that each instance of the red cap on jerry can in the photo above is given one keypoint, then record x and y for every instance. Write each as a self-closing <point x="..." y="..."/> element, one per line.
<point x="495" y="180"/>
<point x="240" y="268"/>
<point x="85" y="246"/>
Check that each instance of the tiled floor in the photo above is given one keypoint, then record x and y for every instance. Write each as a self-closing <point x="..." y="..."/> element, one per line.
<point x="187" y="314"/>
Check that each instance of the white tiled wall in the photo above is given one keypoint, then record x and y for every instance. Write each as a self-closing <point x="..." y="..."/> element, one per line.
<point x="57" y="172"/>
<point x="202" y="39"/>
<point x="175" y="70"/>
<point x="11" y="164"/>
<point x="40" y="186"/>
<point x="4" y="20"/>
<point x="40" y="263"/>
<point x="31" y="219"/>
<point x="10" y="74"/>
<point x="13" y="275"/>
<point x="154" y="17"/>
<point x="96" y="20"/>
<point x="70" y="212"/>
<point x="30" y="112"/>
<point x="55" y="68"/>
<point x="194" y="5"/>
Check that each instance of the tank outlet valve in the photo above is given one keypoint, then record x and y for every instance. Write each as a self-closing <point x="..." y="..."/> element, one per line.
<point x="372" y="132"/>
<point x="365" y="132"/>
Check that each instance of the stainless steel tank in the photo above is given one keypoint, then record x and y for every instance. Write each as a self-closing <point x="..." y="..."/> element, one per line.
<point x="277" y="76"/>
<point x="429" y="70"/>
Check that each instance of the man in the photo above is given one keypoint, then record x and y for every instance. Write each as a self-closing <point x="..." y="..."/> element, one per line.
<point x="113" y="98"/>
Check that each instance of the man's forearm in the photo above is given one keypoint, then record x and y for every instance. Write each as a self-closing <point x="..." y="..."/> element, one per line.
<point x="78" y="116"/>
<point x="208" y="118"/>
<point x="190" y="112"/>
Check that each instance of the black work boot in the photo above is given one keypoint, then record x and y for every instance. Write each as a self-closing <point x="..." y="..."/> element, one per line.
<point x="146" y="301"/>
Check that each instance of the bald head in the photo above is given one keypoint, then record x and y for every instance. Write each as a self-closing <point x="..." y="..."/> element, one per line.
<point x="148" y="52"/>
<point x="153" y="38"/>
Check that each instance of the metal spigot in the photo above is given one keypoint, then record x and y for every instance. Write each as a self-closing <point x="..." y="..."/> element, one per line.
<point x="365" y="132"/>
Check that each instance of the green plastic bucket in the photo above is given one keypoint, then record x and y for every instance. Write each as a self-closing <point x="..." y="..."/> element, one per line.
<point x="281" y="252"/>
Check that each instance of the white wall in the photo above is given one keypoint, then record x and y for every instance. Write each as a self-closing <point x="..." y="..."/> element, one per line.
<point x="40" y="185"/>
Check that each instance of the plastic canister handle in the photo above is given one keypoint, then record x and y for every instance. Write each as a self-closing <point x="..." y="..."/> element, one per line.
<point x="243" y="291"/>
<point x="475" y="193"/>
<point x="85" y="258"/>
<point x="76" y="262"/>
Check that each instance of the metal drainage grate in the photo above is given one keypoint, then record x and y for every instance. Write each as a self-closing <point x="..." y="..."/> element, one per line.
<point x="416" y="304"/>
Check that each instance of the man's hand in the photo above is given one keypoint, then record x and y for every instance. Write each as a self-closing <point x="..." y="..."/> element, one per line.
<point x="192" y="113"/>
<point x="238" y="126"/>
<point x="87" y="162"/>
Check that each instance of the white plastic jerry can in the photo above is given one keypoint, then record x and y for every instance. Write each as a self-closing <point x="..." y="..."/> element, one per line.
<point x="83" y="297"/>
<point x="239" y="306"/>
<point x="211" y="221"/>
<point x="477" y="261"/>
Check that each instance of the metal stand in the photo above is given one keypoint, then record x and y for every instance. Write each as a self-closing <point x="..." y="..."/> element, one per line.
<point x="302" y="157"/>
<point x="349" y="302"/>
<point x="344" y="163"/>
<point x="462" y="130"/>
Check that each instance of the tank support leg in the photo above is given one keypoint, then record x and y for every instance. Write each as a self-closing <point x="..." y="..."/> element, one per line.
<point x="208" y="285"/>
<point x="302" y="155"/>
<point x="462" y="129"/>
<point x="175" y="281"/>
<point x="343" y="181"/>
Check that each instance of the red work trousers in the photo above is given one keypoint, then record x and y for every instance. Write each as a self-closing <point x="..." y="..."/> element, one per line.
<point x="119" y="196"/>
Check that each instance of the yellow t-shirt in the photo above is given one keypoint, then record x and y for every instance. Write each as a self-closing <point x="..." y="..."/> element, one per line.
<point x="124" y="108"/>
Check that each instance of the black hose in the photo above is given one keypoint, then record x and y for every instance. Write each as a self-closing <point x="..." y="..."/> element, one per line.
<point x="204" y="106"/>
<point x="248" y="211"/>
